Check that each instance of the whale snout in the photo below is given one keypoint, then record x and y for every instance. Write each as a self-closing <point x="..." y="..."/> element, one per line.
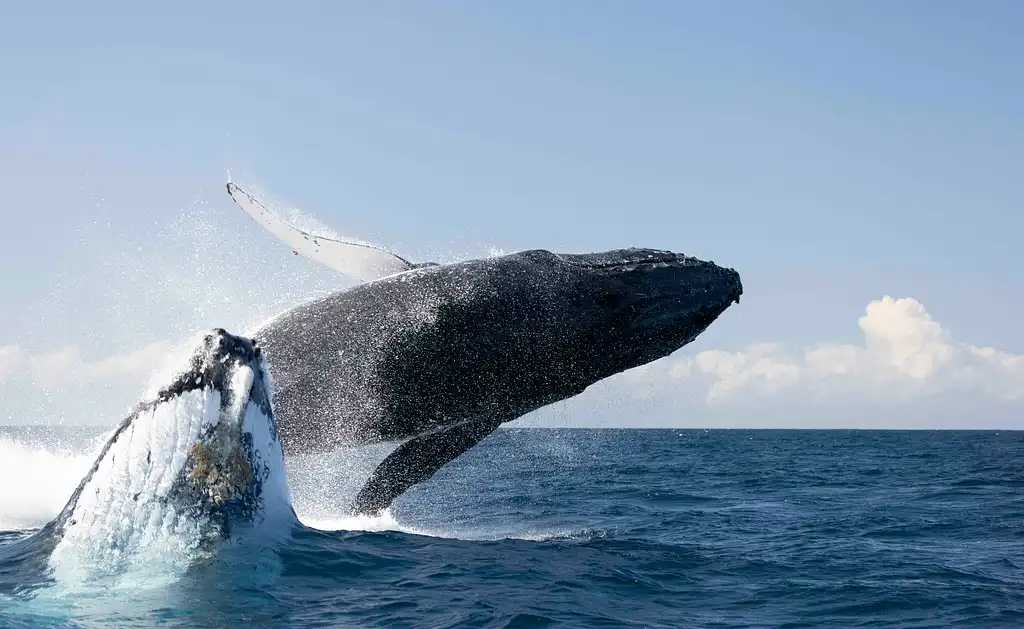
<point x="639" y="279"/>
<point x="733" y="284"/>
<point x="681" y="300"/>
<point x="647" y="303"/>
<point x="221" y="343"/>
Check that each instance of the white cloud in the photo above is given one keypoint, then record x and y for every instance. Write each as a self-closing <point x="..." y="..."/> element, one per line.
<point x="11" y="359"/>
<point x="67" y="367"/>
<point x="905" y="356"/>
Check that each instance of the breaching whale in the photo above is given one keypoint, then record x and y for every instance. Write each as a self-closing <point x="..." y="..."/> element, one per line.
<point x="439" y="356"/>
<point x="195" y="467"/>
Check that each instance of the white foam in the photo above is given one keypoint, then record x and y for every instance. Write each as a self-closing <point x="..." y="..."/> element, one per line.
<point x="30" y="505"/>
<point x="386" y="521"/>
<point x="37" y="481"/>
<point x="383" y="522"/>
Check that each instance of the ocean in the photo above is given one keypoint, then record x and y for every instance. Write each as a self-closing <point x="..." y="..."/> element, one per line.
<point x="596" y="528"/>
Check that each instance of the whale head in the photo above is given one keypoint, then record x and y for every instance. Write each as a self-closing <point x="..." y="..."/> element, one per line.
<point x="194" y="467"/>
<point x="634" y="306"/>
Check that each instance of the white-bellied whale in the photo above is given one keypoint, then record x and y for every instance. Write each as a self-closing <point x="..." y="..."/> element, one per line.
<point x="196" y="466"/>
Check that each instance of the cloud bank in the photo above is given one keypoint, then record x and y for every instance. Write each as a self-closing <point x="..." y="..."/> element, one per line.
<point x="906" y="360"/>
<point x="907" y="371"/>
<point x="66" y="368"/>
<point x="905" y="355"/>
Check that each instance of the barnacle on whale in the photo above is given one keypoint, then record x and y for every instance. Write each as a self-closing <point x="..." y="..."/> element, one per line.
<point x="223" y="472"/>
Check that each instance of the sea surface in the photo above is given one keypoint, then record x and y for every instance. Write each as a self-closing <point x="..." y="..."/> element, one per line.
<point x="598" y="528"/>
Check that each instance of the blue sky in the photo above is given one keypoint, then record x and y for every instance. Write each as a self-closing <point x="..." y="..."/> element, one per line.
<point x="833" y="153"/>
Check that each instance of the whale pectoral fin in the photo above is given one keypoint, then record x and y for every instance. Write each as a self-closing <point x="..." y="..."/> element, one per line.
<point x="417" y="460"/>
<point x="357" y="260"/>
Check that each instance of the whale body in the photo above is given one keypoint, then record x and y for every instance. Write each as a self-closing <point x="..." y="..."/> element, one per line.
<point x="439" y="356"/>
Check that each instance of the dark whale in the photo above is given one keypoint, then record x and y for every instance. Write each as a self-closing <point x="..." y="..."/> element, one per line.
<point x="440" y="356"/>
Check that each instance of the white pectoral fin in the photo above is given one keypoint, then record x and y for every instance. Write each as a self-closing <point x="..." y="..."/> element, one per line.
<point x="363" y="262"/>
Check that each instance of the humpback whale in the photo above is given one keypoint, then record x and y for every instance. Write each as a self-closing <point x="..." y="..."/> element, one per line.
<point x="195" y="467"/>
<point x="439" y="356"/>
<point x="442" y="356"/>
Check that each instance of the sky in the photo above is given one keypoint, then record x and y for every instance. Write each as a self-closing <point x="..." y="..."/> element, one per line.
<point x="857" y="163"/>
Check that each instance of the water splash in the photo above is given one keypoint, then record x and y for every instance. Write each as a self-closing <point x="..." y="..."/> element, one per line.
<point x="39" y="477"/>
